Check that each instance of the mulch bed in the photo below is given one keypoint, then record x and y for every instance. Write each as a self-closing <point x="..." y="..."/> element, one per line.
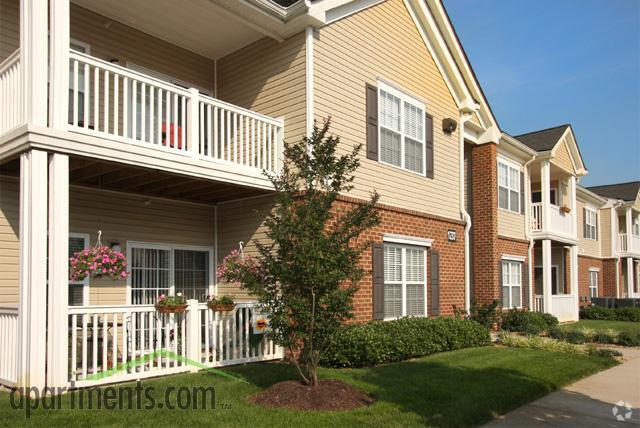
<point x="327" y="395"/>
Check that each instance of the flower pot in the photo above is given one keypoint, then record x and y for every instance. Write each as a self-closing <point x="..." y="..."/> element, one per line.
<point x="565" y="210"/>
<point x="220" y="307"/>
<point x="170" y="309"/>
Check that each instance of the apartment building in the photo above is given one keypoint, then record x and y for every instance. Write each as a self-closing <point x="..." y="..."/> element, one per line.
<point x="147" y="125"/>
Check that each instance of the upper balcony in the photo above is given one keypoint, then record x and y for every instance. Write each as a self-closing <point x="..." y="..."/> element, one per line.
<point x="553" y="207"/>
<point x="141" y="95"/>
<point x="629" y="231"/>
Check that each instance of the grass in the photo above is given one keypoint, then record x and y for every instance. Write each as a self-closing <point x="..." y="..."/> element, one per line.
<point x="618" y="326"/>
<point x="460" y="388"/>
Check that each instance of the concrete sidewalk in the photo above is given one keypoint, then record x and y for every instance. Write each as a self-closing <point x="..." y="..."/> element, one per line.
<point x="586" y="403"/>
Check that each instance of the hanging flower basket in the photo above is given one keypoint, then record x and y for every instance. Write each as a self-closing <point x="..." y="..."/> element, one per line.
<point x="565" y="210"/>
<point x="171" y="305"/>
<point x="221" y="304"/>
<point x="97" y="262"/>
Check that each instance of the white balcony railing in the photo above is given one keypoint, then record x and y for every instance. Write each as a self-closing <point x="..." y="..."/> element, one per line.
<point x="111" y="101"/>
<point x="628" y="245"/>
<point x="8" y="346"/>
<point x="10" y="93"/>
<point x="559" y="221"/>
<point x="538" y="303"/>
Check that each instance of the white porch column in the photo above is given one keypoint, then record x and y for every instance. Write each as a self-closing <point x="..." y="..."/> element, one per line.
<point x="546" y="274"/>
<point x="193" y="128"/>
<point x="193" y="333"/>
<point x="629" y="227"/>
<point x="545" y="190"/>
<point x="572" y="205"/>
<point x="630" y="290"/>
<point x="57" y="339"/>
<point x="33" y="276"/>
<point x="34" y="40"/>
<point x="59" y="69"/>
<point x="573" y="258"/>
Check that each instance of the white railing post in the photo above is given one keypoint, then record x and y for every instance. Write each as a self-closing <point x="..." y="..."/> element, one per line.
<point x="629" y="228"/>
<point x="33" y="276"/>
<point x="34" y="28"/>
<point x="58" y="293"/>
<point x="280" y="145"/>
<point x="572" y="205"/>
<point x="193" y="124"/>
<point x="193" y="333"/>
<point x="59" y="67"/>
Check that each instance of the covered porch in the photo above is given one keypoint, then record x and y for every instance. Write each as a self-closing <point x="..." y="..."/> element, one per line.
<point x="556" y="279"/>
<point x="174" y="229"/>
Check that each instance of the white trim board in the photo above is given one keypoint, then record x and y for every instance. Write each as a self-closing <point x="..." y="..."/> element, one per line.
<point x="407" y="240"/>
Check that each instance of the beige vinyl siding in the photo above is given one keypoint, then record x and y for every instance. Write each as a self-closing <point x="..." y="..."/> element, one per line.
<point x="9" y="27"/>
<point x="510" y="224"/>
<point x="9" y="241"/>
<point x="127" y="44"/>
<point x="589" y="247"/>
<point x="562" y="158"/>
<point x="238" y="221"/>
<point x="269" y="78"/>
<point x="383" y="41"/>
<point x="123" y="217"/>
<point x="605" y="232"/>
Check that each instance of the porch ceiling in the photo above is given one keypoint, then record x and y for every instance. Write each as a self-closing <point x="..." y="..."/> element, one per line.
<point x="143" y="181"/>
<point x="196" y="25"/>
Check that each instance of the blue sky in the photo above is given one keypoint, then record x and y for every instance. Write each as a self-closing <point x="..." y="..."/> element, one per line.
<point x="543" y="63"/>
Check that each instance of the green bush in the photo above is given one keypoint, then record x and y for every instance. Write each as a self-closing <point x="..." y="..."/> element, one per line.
<point x="606" y="336"/>
<point x="487" y="315"/>
<point x="576" y="337"/>
<point x="377" y="342"/>
<point x="523" y="321"/>
<point x="603" y="352"/>
<point x="610" y="314"/>
<point x="629" y="338"/>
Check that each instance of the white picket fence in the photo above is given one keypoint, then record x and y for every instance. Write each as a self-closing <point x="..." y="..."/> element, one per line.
<point x="11" y="100"/>
<point x="117" y="343"/>
<point x="111" y="101"/>
<point x="8" y="346"/>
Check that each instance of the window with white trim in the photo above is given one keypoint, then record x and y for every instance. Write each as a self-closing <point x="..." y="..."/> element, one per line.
<point x="405" y="282"/>
<point x="508" y="187"/>
<point x="511" y="284"/>
<point x="590" y="221"/>
<point x="158" y="269"/>
<point x="402" y="130"/>
<point x="593" y="283"/>
<point x="636" y="226"/>
<point x="78" y="291"/>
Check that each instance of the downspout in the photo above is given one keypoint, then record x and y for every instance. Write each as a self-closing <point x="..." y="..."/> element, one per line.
<point x="465" y="115"/>
<point x="527" y="226"/>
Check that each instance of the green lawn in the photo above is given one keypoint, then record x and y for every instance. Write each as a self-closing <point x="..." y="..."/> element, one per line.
<point x="460" y="388"/>
<point x="603" y="325"/>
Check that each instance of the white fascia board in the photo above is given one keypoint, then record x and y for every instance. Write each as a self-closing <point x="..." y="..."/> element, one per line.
<point x="513" y="258"/>
<point x="407" y="240"/>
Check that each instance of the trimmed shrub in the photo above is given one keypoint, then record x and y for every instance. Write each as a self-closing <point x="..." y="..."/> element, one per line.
<point x="576" y="337"/>
<point x="629" y="338"/>
<point x="377" y="342"/>
<point x="514" y="340"/>
<point x="610" y="314"/>
<point x="532" y="323"/>
<point x="606" y="336"/>
<point x="603" y="352"/>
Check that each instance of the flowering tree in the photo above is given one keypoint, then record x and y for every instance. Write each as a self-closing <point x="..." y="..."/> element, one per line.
<point x="307" y="274"/>
<point x="97" y="262"/>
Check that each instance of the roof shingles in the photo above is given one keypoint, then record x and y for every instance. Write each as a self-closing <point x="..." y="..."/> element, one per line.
<point x="625" y="191"/>
<point x="544" y="140"/>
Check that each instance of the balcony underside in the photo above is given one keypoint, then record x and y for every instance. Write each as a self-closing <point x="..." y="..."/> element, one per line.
<point x="95" y="173"/>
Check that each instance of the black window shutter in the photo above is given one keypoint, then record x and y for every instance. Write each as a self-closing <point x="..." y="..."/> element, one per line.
<point x="584" y="222"/>
<point x="372" y="122"/>
<point x="428" y="127"/>
<point x="501" y="283"/>
<point x="435" y="283"/>
<point x="521" y="192"/>
<point x="525" y="282"/>
<point x="596" y="237"/>
<point x="377" y="257"/>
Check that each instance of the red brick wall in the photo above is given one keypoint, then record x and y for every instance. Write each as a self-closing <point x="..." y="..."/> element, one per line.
<point x="414" y="224"/>
<point x="513" y="247"/>
<point x="484" y="215"/>
<point x="584" y="264"/>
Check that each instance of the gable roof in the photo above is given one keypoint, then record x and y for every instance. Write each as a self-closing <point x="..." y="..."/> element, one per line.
<point x="544" y="140"/>
<point x="625" y="191"/>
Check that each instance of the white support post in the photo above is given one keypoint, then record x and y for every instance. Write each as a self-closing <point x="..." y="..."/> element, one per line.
<point x="629" y="228"/>
<point x="572" y="205"/>
<point x="280" y="145"/>
<point x="193" y="332"/>
<point x="545" y="178"/>
<point x="34" y="40"/>
<point x="58" y="294"/>
<point x="573" y="256"/>
<point x="193" y="124"/>
<point x="32" y="315"/>
<point x="546" y="275"/>
<point x="59" y="69"/>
